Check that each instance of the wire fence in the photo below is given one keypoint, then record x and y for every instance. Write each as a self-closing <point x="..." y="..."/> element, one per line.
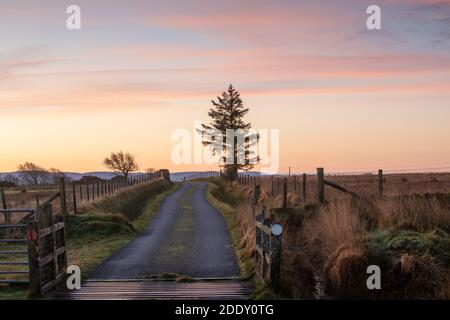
<point x="77" y="193"/>
<point x="306" y="187"/>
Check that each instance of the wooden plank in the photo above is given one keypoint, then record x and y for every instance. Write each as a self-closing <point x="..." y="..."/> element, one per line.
<point x="267" y="259"/>
<point x="259" y="250"/>
<point x="263" y="228"/>
<point x="160" y="290"/>
<point x="52" y="284"/>
<point x="58" y="226"/>
<point x="13" y="240"/>
<point x="49" y="258"/>
<point x="46" y="260"/>
<point x="52" y="198"/>
<point x="60" y="250"/>
<point x="47" y="231"/>
<point x="341" y="188"/>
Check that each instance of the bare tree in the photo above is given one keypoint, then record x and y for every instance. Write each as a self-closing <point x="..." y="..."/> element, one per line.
<point x="123" y="162"/>
<point x="8" y="181"/>
<point x="31" y="173"/>
<point x="55" y="174"/>
<point x="12" y="179"/>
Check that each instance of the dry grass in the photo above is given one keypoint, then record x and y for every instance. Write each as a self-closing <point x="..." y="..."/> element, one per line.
<point x="365" y="185"/>
<point x="327" y="250"/>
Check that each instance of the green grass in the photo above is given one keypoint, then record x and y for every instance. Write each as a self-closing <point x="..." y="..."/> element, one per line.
<point x="14" y="292"/>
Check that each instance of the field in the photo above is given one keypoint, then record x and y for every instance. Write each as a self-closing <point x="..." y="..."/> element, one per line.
<point x="327" y="249"/>
<point x="366" y="185"/>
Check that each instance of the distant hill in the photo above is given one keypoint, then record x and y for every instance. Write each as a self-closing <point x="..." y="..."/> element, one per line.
<point x="106" y="175"/>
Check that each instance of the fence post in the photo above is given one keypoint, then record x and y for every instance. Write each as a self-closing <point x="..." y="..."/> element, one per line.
<point x="3" y="199"/>
<point x="37" y="202"/>
<point x="33" y="261"/>
<point x="320" y="186"/>
<point x="87" y="192"/>
<point x="62" y="196"/>
<point x="380" y="182"/>
<point x="275" y="247"/>
<point x="304" y="188"/>
<point x="285" y="192"/>
<point x="74" y="196"/>
<point x="47" y="246"/>
<point x="4" y="206"/>
<point x="272" y="191"/>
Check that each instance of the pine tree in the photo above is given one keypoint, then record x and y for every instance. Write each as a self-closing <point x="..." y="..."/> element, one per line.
<point x="228" y="114"/>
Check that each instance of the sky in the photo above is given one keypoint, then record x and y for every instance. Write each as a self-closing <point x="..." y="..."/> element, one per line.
<point x="343" y="97"/>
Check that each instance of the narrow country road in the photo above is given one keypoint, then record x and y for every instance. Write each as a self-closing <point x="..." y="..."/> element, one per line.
<point x="188" y="236"/>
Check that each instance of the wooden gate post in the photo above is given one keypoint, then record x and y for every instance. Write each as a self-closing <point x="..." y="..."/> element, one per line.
<point x="33" y="258"/>
<point x="275" y="261"/>
<point x="62" y="196"/>
<point x="4" y="207"/>
<point x="320" y="186"/>
<point x="285" y="192"/>
<point x="74" y="198"/>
